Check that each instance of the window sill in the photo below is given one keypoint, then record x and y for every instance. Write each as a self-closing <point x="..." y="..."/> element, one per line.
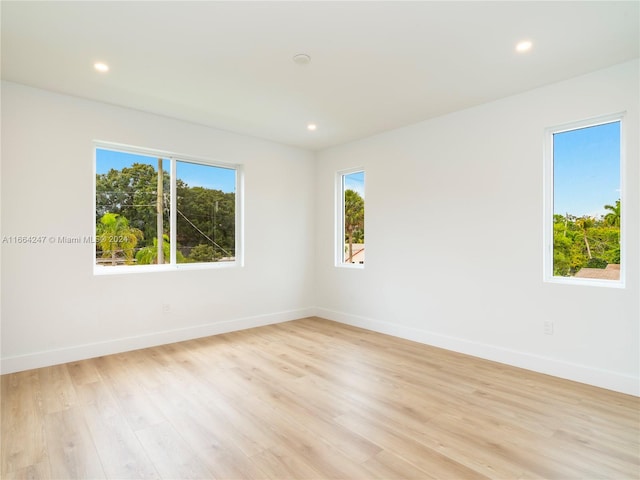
<point x="357" y="266"/>
<point x="585" y="282"/>
<point x="129" y="269"/>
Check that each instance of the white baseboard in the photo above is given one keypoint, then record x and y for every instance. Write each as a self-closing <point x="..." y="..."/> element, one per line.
<point x="580" y="373"/>
<point x="570" y="371"/>
<point x="81" y="352"/>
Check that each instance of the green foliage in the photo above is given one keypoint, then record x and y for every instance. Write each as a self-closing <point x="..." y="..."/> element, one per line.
<point x="613" y="217"/>
<point x="204" y="217"/>
<point x="149" y="254"/>
<point x="596" y="263"/>
<point x="116" y="239"/>
<point x="131" y="192"/>
<point x="353" y="216"/>
<point x="353" y="220"/>
<point x="204" y="253"/>
<point x="613" y="255"/>
<point x="586" y="241"/>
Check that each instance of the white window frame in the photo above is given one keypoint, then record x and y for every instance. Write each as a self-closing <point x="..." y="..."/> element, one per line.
<point x="339" y="217"/>
<point x="548" y="275"/>
<point x="173" y="266"/>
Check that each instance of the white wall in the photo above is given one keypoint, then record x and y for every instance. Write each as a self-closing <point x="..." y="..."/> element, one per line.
<point x="454" y="237"/>
<point x="54" y="309"/>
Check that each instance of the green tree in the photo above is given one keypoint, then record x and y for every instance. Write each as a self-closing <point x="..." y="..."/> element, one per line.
<point x="204" y="253"/>
<point x="605" y="240"/>
<point x="131" y="192"/>
<point x="586" y="241"/>
<point x="568" y="246"/>
<point x="149" y="255"/>
<point x="584" y="224"/>
<point x="205" y="216"/>
<point x="116" y="238"/>
<point x="613" y="217"/>
<point x="353" y="219"/>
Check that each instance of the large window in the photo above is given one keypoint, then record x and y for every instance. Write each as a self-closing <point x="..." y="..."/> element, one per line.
<point x="583" y="241"/>
<point x="161" y="211"/>
<point x="350" y="218"/>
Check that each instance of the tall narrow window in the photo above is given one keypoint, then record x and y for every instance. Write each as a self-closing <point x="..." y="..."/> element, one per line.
<point x="158" y="210"/>
<point x="584" y="203"/>
<point x="351" y="243"/>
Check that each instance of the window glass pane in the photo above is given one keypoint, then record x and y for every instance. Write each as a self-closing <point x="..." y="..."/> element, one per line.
<point x="205" y="217"/>
<point x="132" y="207"/>
<point x="353" y="217"/>
<point x="586" y="202"/>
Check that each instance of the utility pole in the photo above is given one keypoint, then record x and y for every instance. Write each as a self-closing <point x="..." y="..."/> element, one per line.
<point x="159" y="202"/>
<point x="215" y="210"/>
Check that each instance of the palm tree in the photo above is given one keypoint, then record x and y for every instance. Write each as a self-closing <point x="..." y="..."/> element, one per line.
<point x="353" y="217"/>
<point x="116" y="237"/>
<point x="584" y="223"/>
<point x="613" y="217"/>
<point x="149" y="255"/>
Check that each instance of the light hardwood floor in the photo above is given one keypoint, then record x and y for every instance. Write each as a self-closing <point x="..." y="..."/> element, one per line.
<point x="310" y="399"/>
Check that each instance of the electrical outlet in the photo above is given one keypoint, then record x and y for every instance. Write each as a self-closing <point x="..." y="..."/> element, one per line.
<point x="548" y="327"/>
<point x="166" y="308"/>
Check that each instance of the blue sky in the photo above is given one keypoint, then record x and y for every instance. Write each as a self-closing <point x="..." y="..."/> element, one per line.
<point x="217" y="178"/>
<point x="195" y="175"/>
<point x="355" y="181"/>
<point x="586" y="170"/>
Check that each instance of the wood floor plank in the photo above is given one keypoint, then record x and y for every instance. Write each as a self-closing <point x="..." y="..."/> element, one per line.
<point x="24" y="441"/>
<point x="170" y="454"/>
<point x="72" y="453"/>
<point x="280" y="463"/>
<point x="473" y="436"/>
<point x="216" y="403"/>
<point x="310" y="399"/>
<point x="119" y="449"/>
<point x="386" y="465"/>
<point x="303" y="410"/>
<point x="215" y="438"/>
<point x="124" y="379"/>
<point x="58" y="391"/>
<point x="296" y="440"/>
<point x="83" y="372"/>
<point x="40" y="471"/>
<point x="435" y="464"/>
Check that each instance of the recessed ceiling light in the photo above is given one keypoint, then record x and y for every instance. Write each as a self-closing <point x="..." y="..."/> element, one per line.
<point x="524" y="46"/>
<point x="101" y="67"/>
<point x="312" y="127"/>
<point x="302" y="59"/>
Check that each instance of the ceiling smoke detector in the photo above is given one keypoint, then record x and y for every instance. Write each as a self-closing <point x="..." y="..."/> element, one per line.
<point x="302" y="59"/>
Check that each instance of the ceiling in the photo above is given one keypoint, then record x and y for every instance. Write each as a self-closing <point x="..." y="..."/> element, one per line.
<point x="374" y="66"/>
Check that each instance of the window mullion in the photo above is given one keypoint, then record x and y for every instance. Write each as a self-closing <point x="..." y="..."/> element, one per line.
<point x="173" y="211"/>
